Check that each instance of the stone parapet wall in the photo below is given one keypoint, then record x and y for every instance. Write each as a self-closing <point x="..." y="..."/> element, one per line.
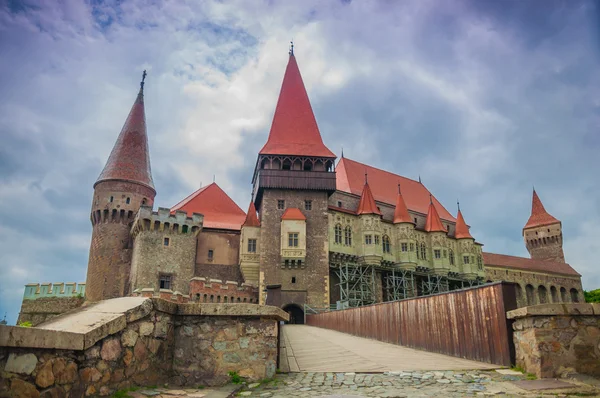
<point x="205" y="290"/>
<point x="556" y="339"/>
<point x="134" y="341"/>
<point x="45" y="308"/>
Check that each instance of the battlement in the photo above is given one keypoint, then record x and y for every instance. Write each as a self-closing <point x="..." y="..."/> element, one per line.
<point x="218" y="291"/>
<point x="165" y="221"/>
<point x="114" y="215"/>
<point x="35" y="291"/>
<point x="165" y="294"/>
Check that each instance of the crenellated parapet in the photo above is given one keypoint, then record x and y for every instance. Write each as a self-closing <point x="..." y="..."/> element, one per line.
<point x="166" y="222"/>
<point x="218" y="291"/>
<point x="165" y="294"/>
<point x="35" y="291"/>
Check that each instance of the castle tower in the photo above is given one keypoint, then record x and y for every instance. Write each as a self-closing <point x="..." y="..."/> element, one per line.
<point x="465" y="258"/>
<point x="405" y="226"/>
<point x="436" y="236"/>
<point x="543" y="233"/>
<point x="294" y="170"/>
<point x="250" y="247"/>
<point x="370" y="220"/>
<point x="124" y="185"/>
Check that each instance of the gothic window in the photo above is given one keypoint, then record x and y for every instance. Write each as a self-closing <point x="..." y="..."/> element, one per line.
<point x="404" y="246"/>
<point x="338" y="233"/>
<point x="166" y="242"/>
<point x="386" y="244"/>
<point x="251" y="245"/>
<point x="348" y="236"/>
<point x="128" y="201"/>
<point x="412" y="247"/>
<point x="164" y="281"/>
<point x="480" y="264"/>
<point x="465" y="259"/>
<point x="293" y="239"/>
<point x="451" y="257"/>
<point x="437" y="253"/>
<point x="308" y="205"/>
<point x="368" y="239"/>
<point x="281" y="204"/>
<point x="376" y="239"/>
<point x="423" y="252"/>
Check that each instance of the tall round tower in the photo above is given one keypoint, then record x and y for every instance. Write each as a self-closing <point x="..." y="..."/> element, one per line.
<point x="543" y="233"/>
<point x="123" y="186"/>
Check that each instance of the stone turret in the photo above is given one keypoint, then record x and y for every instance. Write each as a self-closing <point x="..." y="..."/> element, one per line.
<point x="124" y="185"/>
<point x="250" y="247"/>
<point x="369" y="217"/>
<point x="405" y="226"/>
<point x="437" y="235"/>
<point x="468" y="260"/>
<point x="543" y="233"/>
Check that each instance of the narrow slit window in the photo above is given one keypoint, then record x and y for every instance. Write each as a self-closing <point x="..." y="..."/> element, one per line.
<point x="166" y="241"/>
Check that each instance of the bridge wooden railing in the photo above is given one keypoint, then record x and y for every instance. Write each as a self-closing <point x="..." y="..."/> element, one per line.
<point x="468" y="323"/>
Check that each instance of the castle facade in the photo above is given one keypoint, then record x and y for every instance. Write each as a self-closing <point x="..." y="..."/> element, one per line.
<point x="317" y="234"/>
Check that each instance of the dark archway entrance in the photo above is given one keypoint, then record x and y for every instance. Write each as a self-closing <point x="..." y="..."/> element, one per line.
<point x="296" y="314"/>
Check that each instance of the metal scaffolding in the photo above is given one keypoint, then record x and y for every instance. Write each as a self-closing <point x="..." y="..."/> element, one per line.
<point x="357" y="284"/>
<point x="432" y="284"/>
<point x="399" y="284"/>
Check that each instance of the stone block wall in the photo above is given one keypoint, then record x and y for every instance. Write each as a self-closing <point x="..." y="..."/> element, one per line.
<point x="203" y="290"/>
<point x="45" y="308"/>
<point x="552" y="340"/>
<point x="135" y="341"/>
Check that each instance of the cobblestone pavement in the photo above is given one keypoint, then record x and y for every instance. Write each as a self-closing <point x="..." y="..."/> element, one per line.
<point x="396" y="384"/>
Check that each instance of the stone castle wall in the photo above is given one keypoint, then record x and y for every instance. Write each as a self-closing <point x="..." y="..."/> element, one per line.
<point x="42" y="302"/>
<point x="204" y="290"/>
<point x="306" y="284"/>
<point x="114" y="207"/>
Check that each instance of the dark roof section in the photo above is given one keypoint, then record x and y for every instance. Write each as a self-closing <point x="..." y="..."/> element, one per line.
<point x="528" y="264"/>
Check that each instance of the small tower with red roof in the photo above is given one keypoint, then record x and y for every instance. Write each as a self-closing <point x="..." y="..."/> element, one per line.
<point x="369" y="217"/>
<point x="250" y="247"/>
<point x="295" y="170"/>
<point x="124" y="185"/>
<point x="543" y="233"/>
<point x="468" y="259"/>
<point x="405" y="227"/>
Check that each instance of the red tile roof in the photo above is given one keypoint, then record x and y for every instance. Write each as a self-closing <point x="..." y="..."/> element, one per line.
<point x="462" y="231"/>
<point x="433" y="222"/>
<point x="350" y="178"/>
<point x="367" y="202"/>
<point x="251" y="218"/>
<point x="293" y="213"/>
<point x="294" y="130"/>
<point x="219" y="210"/>
<point x="539" y="216"/>
<point x="401" y="211"/>
<point x="528" y="264"/>
<point x="129" y="159"/>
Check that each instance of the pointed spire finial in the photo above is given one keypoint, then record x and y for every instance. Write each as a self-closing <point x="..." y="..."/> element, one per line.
<point x="214" y="176"/>
<point x="420" y="178"/>
<point x="458" y="204"/>
<point x="430" y="198"/>
<point x="342" y="151"/>
<point x="399" y="192"/>
<point x="143" y="79"/>
<point x="366" y="177"/>
<point x="291" y="52"/>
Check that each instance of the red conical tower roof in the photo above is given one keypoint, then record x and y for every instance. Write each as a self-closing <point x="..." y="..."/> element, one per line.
<point x="130" y="157"/>
<point x="367" y="202"/>
<point x="294" y="130"/>
<point x="251" y="218"/>
<point x="539" y="215"/>
<point x="401" y="212"/>
<point x="433" y="222"/>
<point x="462" y="231"/>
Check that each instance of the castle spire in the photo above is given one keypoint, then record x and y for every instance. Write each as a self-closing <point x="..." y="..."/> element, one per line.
<point x="433" y="223"/>
<point x="129" y="159"/>
<point x="539" y="216"/>
<point x="294" y="130"/>
<point x="367" y="201"/>
<point x="401" y="212"/>
<point x="462" y="231"/>
<point x="251" y="218"/>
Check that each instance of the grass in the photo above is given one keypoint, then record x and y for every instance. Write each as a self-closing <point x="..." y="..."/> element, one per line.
<point x="25" y="324"/>
<point x="124" y="393"/>
<point x="235" y="377"/>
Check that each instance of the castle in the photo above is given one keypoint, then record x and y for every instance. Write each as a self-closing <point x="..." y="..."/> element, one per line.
<point x="317" y="234"/>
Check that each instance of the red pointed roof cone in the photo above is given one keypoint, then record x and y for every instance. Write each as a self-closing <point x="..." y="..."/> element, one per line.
<point x="294" y="130"/>
<point x="130" y="157"/>
<point x="539" y="216"/>
<point x="433" y="222"/>
<point x="401" y="212"/>
<point x="367" y="202"/>
<point x="251" y="218"/>
<point x="462" y="231"/>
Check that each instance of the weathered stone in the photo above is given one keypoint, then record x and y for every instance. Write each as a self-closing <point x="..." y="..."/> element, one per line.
<point x="146" y="328"/>
<point x="127" y="357"/>
<point x="231" y="357"/>
<point x="129" y="338"/>
<point x="90" y="375"/>
<point x="175" y="392"/>
<point x="54" y="392"/>
<point x="111" y="350"/>
<point x="45" y="377"/>
<point x="140" y="352"/>
<point x="253" y="385"/>
<point x="104" y="391"/>
<point x="23" y="389"/>
<point x="22" y="364"/>
<point x="91" y="390"/>
<point x="102" y="366"/>
<point x="92" y="352"/>
<point x="117" y="376"/>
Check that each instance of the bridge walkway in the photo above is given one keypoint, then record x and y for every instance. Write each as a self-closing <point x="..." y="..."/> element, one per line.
<point x="311" y="349"/>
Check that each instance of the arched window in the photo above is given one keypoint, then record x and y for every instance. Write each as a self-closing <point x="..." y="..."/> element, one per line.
<point x="348" y="236"/>
<point x="554" y="294"/>
<point x="451" y="256"/>
<point x="338" y="234"/>
<point x="563" y="295"/>
<point x="574" y="296"/>
<point x="542" y="294"/>
<point x="479" y="263"/>
<point x="423" y="252"/>
<point x="530" y="292"/>
<point x="386" y="244"/>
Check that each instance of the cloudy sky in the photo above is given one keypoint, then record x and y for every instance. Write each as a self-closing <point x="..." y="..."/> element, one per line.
<point x="483" y="99"/>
